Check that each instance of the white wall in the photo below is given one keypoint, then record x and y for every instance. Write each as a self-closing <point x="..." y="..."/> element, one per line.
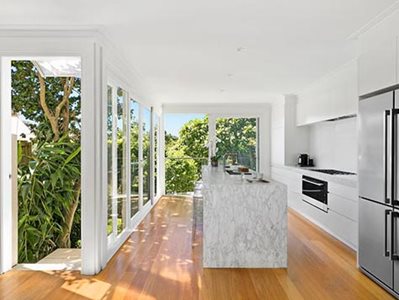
<point x="334" y="144"/>
<point x="287" y="139"/>
<point x="277" y="132"/>
<point x="296" y="138"/>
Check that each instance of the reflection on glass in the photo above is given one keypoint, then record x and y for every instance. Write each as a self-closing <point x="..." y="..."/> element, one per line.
<point x="121" y="126"/>
<point x="238" y="141"/>
<point x="146" y="154"/>
<point x="134" y="155"/>
<point x="109" y="160"/>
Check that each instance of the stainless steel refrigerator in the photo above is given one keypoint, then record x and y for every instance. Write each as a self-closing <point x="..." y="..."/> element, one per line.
<point x="378" y="188"/>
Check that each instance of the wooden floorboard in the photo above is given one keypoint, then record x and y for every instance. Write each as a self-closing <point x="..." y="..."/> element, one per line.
<point x="159" y="262"/>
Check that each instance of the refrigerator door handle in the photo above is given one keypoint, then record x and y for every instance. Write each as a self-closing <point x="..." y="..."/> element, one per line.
<point x="387" y="212"/>
<point x="387" y="113"/>
<point x="394" y="147"/>
<point x="394" y="254"/>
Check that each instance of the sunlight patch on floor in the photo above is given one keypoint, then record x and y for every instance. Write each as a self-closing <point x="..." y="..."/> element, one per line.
<point x="89" y="288"/>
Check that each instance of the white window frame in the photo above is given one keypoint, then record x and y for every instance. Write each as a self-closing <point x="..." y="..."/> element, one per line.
<point x="114" y="241"/>
<point x="212" y="120"/>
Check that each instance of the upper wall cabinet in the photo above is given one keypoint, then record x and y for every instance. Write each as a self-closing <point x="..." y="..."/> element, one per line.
<point x="333" y="96"/>
<point x="378" y="55"/>
<point x="377" y="66"/>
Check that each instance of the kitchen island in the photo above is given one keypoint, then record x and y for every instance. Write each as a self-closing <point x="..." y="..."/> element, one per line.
<point x="245" y="224"/>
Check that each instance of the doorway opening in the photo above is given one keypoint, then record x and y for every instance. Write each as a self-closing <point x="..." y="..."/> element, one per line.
<point x="46" y="162"/>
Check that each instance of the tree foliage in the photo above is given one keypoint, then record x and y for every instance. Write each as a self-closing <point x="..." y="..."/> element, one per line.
<point x="49" y="181"/>
<point x="48" y="196"/>
<point x="236" y="135"/>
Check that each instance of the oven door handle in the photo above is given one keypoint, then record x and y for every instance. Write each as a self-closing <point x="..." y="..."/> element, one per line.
<point x="313" y="191"/>
<point x="312" y="182"/>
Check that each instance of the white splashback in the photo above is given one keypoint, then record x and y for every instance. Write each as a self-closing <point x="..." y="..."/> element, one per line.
<point x="334" y="144"/>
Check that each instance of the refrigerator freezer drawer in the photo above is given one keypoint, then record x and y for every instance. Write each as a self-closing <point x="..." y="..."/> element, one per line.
<point x="374" y="240"/>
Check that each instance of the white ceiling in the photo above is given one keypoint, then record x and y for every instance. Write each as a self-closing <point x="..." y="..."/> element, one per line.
<point x="216" y="50"/>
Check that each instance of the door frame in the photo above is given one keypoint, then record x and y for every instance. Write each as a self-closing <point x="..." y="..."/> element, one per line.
<point x="43" y="44"/>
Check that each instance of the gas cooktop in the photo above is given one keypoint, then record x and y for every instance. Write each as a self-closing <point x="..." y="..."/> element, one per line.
<point x="332" y="172"/>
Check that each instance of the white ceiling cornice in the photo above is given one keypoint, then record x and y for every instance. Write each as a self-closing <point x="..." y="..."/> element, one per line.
<point x="375" y="21"/>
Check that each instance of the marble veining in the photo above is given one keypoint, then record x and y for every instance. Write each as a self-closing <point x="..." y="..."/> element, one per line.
<point x="245" y="224"/>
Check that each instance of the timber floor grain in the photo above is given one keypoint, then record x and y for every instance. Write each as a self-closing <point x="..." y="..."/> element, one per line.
<point x="159" y="262"/>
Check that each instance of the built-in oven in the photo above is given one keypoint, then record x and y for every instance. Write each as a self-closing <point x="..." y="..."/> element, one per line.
<point x="315" y="192"/>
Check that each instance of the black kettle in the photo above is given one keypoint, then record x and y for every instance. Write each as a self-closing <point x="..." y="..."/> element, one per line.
<point x="303" y="160"/>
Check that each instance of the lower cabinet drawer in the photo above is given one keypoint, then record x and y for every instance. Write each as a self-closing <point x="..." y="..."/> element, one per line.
<point x="341" y="227"/>
<point x="343" y="206"/>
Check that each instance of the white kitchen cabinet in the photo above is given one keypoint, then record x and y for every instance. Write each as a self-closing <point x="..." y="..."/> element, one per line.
<point x="333" y="96"/>
<point x="343" y="206"/>
<point x="378" y="66"/>
<point x="342" y="217"/>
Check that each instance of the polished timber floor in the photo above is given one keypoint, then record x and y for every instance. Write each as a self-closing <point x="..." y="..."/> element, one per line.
<point x="159" y="262"/>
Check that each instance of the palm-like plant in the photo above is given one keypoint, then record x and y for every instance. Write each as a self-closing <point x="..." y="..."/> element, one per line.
<point x="49" y="195"/>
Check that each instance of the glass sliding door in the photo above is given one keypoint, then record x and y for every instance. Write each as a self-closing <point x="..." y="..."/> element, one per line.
<point x="146" y="165"/>
<point x="110" y="163"/>
<point x="117" y="164"/>
<point x="134" y="157"/>
<point x="238" y="142"/>
<point x="121" y="159"/>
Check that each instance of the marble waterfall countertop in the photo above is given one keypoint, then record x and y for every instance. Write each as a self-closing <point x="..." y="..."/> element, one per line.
<point x="245" y="224"/>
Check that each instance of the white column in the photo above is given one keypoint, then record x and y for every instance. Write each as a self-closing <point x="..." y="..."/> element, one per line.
<point x="211" y="136"/>
<point x="6" y="255"/>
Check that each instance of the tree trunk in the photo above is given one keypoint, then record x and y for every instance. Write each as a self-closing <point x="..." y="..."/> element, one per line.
<point x="65" y="237"/>
<point x="49" y="115"/>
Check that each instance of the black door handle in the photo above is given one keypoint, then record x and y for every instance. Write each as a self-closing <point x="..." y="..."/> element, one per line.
<point x="395" y="113"/>
<point x="394" y="254"/>
<point x="386" y="115"/>
<point x="387" y="212"/>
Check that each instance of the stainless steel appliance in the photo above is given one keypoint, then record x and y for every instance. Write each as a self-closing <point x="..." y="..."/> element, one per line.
<point x="315" y="192"/>
<point x="378" y="251"/>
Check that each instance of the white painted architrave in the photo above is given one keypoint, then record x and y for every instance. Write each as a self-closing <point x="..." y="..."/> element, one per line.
<point x="38" y="44"/>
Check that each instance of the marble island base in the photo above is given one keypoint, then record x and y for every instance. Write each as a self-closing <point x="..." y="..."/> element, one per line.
<point x="245" y="224"/>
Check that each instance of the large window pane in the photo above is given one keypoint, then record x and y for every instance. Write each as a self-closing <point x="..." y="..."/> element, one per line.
<point x="146" y="155"/>
<point x="110" y="122"/>
<point x="186" y="150"/>
<point x="121" y="159"/>
<point x="134" y="157"/>
<point x="237" y="141"/>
